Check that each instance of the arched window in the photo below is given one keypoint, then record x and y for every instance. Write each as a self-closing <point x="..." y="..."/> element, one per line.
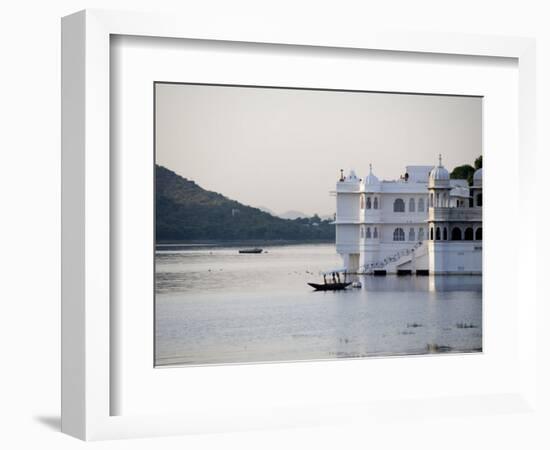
<point x="431" y="200"/>
<point x="479" y="199"/>
<point x="445" y="233"/>
<point x="398" y="205"/>
<point x="457" y="203"/>
<point x="421" y="205"/>
<point x="362" y="201"/>
<point x="471" y="202"/>
<point x="375" y="234"/>
<point x="431" y="234"/>
<point x="375" y="202"/>
<point x="411" y="234"/>
<point x="456" y="234"/>
<point x="368" y="232"/>
<point x="421" y="234"/>
<point x="362" y="231"/>
<point x="437" y="199"/>
<point x="411" y="205"/>
<point x="368" y="203"/>
<point x="479" y="237"/>
<point x="437" y="234"/>
<point x="469" y="234"/>
<point x="398" y="234"/>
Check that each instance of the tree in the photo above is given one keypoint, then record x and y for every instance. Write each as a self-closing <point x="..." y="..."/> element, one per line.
<point x="478" y="164"/>
<point x="464" y="172"/>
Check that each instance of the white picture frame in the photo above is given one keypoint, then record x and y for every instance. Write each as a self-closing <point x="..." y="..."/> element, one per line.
<point x="88" y="386"/>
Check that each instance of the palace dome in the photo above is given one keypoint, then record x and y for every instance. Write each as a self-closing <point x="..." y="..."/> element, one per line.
<point x="352" y="178"/>
<point x="439" y="175"/>
<point x="371" y="178"/>
<point x="478" y="177"/>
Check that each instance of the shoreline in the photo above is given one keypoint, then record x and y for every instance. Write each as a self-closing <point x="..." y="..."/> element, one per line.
<point x="243" y="243"/>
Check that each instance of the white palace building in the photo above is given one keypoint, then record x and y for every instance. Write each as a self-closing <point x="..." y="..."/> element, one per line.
<point x="423" y="223"/>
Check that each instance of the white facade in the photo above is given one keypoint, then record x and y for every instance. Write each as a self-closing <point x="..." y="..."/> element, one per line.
<point x="424" y="222"/>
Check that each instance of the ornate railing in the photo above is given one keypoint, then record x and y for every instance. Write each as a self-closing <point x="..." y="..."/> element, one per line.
<point x="390" y="259"/>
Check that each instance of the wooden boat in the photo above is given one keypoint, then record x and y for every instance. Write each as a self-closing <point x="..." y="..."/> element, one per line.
<point x="329" y="286"/>
<point x="251" y="250"/>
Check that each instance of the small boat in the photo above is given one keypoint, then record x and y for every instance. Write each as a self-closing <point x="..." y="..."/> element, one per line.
<point x="329" y="286"/>
<point x="336" y="284"/>
<point x="251" y="250"/>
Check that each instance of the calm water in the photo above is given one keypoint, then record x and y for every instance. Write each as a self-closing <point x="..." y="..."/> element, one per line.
<point x="214" y="305"/>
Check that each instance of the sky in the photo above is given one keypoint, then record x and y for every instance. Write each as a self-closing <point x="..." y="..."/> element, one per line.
<point x="282" y="149"/>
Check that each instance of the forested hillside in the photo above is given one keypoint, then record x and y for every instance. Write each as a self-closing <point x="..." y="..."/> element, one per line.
<point x="185" y="211"/>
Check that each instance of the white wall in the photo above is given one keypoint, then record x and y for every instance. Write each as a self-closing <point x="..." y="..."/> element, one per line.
<point x="347" y="238"/>
<point x="455" y="257"/>
<point x="29" y="229"/>
<point x="347" y="207"/>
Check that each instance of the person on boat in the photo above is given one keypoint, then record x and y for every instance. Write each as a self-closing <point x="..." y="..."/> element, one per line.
<point x="325" y="278"/>
<point x="333" y="277"/>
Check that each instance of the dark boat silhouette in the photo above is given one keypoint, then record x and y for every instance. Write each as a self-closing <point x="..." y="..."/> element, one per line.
<point x="336" y="284"/>
<point x="329" y="286"/>
<point x="251" y="250"/>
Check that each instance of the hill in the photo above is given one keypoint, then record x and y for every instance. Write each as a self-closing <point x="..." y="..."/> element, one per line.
<point x="185" y="211"/>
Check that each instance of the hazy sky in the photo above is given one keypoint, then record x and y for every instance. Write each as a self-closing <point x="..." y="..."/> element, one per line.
<point x="282" y="149"/>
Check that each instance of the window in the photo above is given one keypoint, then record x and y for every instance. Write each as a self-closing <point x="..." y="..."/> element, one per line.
<point x="437" y="234"/>
<point x="437" y="199"/>
<point x="398" y="205"/>
<point x="457" y="203"/>
<point x="411" y="234"/>
<point x="431" y="200"/>
<point x="478" y="234"/>
<point x="456" y="234"/>
<point x="362" y="231"/>
<point x="368" y="203"/>
<point x="375" y="234"/>
<point x="469" y="234"/>
<point x="368" y="232"/>
<point x="375" y="202"/>
<point x="431" y="234"/>
<point x="471" y="202"/>
<point x="398" y="234"/>
<point x="479" y="200"/>
<point x="362" y="201"/>
<point x="421" y="205"/>
<point x="411" y="205"/>
<point x="445" y="233"/>
<point x="421" y="234"/>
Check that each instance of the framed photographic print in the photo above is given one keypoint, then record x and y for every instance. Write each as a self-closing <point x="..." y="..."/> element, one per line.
<point x="255" y="226"/>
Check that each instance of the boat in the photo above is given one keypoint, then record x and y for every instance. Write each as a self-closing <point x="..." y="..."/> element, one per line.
<point x="251" y="250"/>
<point x="334" y="283"/>
<point x="330" y="286"/>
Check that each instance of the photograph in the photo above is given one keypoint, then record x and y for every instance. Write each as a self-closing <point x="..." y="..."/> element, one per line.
<point x="301" y="224"/>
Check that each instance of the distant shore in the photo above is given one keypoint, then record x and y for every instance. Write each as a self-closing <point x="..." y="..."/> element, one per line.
<point x="239" y="243"/>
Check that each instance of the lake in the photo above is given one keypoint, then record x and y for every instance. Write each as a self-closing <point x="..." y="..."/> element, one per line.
<point x="214" y="305"/>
